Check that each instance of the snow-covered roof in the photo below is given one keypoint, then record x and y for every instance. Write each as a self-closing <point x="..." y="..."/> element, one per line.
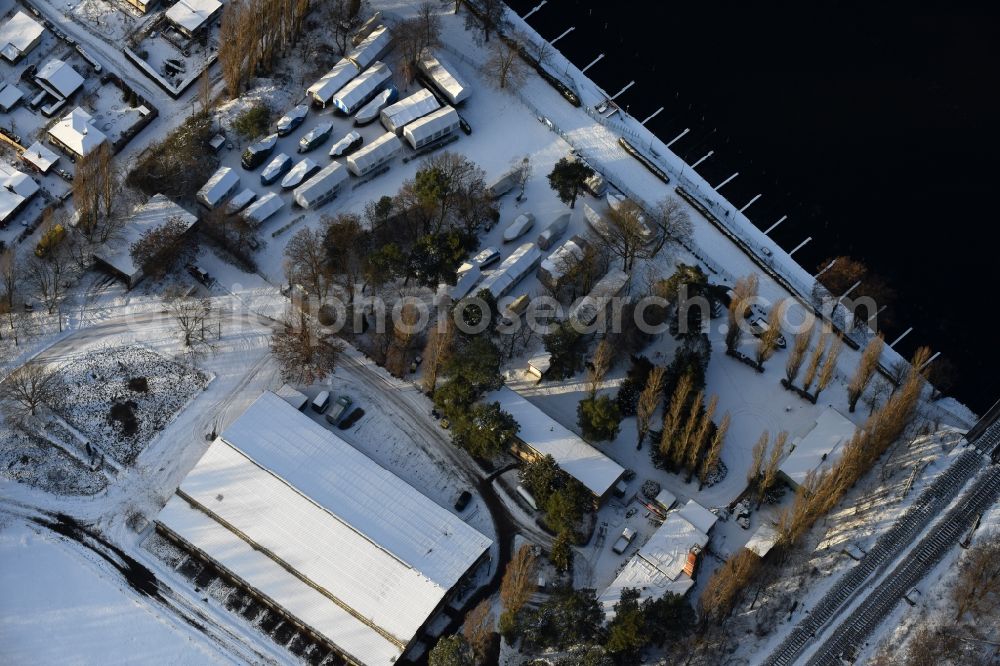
<point x="562" y="259"/>
<point x="589" y="308"/>
<point x="59" y="78"/>
<point x="367" y="541"/>
<point x="332" y="81"/>
<point x="263" y="208"/>
<point x="218" y="187"/>
<point x="357" y="91"/>
<point x="546" y="436"/>
<point x="371" y="47"/>
<point x="763" y="540"/>
<point x="39" y="156"/>
<point x="76" y="132"/>
<point x="19" y="35"/>
<point x="241" y="200"/>
<point x="408" y="109"/>
<point x="9" y="95"/>
<point x="697" y="515"/>
<point x="665" y="498"/>
<point x="659" y="565"/>
<point x="444" y="77"/>
<point x="191" y="14"/>
<point x="466" y="281"/>
<point x="438" y="123"/>
<point x="379" y="151"/>
<point x="15" y="189"/>
<point x="328" y="178"/>
<point x="155" y="212"/>
<point x="512" y="270"/>
<point x="296" y="399"/>
<point x="819" y="448"/>
<point x="17" y="181"/>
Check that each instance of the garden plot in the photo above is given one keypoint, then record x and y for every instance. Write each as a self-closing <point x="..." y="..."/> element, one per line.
<point x="112" y="111"/>
<point x="120" y="398"/>
<point x="171" y="59"/>
<point x="27" y="458"/>
<point x="113" y="20"/>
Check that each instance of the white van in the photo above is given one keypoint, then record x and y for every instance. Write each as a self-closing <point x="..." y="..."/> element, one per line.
<point x="321" y="402"/>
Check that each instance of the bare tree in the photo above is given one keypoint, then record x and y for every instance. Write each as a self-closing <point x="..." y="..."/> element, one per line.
<point x="504" y="65"/>
<point x="977" y="589"/>
<point x="649" y="400"/>
<point x="685" y="440"/>
<point x="49" y="278"/>
<point x="305" y="353"/>
<point x="343" y="18"/>
<point x="522" y="168"/>
<point x="413" y="36"/>
<point x="711" y="462"/>
<point x="10" y="277"/>
<point x="205" y="100"/>
<point x="797" y="355"/>
<point x="478" y="630"/>
<point x="671" y="224"/>
<point x="771" y="469"/>
<point x="306" y="263"/>
<point x="518" y="580"/>
<point x="160" y="250"/>
<point x="402" y="339"/>
<point x="700" y="437"/>
<point x="625" y="233"/>
<point x="865" y="370"/>
<point x="672" y="418"/>
<point x="96" y="184"/>
<point x="29" y="387"/>
<point x="816" y="358"/>
<point x="768" y="341"/>
<point x="757" y="459"/>
<point x="190" y="315"/>
<point x="744" y="291"/>
<point x="486" y="17"/>
<point x="437" y="351"/>
<point x="599" y="365"/>
<point x="829" y="368"/>
<point x="723" y="590"/>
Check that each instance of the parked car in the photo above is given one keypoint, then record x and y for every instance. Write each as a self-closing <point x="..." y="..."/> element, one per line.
<point x="321" y="402"/>
<point x="289" y="122"/>
<point x="340" y="406"/>
<point x="623" y="541"/>
<point x="463" y="500"/>
<point x="445" y="423"/>
<point x="351" y="419"/>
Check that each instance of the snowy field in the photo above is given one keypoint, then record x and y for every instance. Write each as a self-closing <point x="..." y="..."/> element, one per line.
<point x="120" y="397"/>
<point x="58" y="605"/>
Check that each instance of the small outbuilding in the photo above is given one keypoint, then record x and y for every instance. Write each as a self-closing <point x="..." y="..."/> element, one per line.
<point x="377" y="153"/>
<point x="432" y="127"/>
<point x="19" y="36"/>
<point x="408" y="109"/>
<point x="10" y="95"/>
<point x="818" y="449"/>
<point x="59" y="79"/>
<point x="16" y="188"/>
<point x="39" y="157"/>
<point x="444" y="78"/>
<point x="117" y="259"/>
<point x="190" y="16"/>
<point x="218" y="188"/>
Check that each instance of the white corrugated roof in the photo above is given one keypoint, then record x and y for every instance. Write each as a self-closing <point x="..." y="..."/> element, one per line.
<point x="278" y="584"/>
<point x="444" y="77"/>
<point x="361" y="86"/>
<point x="408" y="109"/>
<point x="820" y="447"/>
<point x="221" y="183"/>
<point x="20" y="32"/>
<point x="190" y="14"/>
<point x="60" y="77"/>
<point x="371" y="47"/>
<point x="263" y="208"/>
<point x="293" y="397"/>
<point x="76" y="132"/>
<point x="153" y="213"/>
<point x="334" y="80"/>
<point x="381" y="149"/>
<point x="433" y="122"/>
<point x="576" y="457"/>
<point x="327" y="178"/>
<point x="41" y="157"/>
<point x="368" y="541"/>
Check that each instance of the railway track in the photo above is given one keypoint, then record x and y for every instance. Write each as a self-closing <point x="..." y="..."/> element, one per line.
<point x="849" y="638"/>
<point x="931" y="502"/>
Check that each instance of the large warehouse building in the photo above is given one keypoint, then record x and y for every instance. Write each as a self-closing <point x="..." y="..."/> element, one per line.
<point x="316" y="529"/>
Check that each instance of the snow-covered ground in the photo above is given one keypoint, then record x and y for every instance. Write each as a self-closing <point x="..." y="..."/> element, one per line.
<point x="60" y="606"/>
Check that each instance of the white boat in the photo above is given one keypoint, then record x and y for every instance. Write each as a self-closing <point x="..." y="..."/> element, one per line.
<point x="616" y="201"/>
<point x="351" y="142"/>
<point x="299" y="173"/>
<point x="520" y="226"/>
<point x="552" y="232"/>
<point x="369" y="113"/>
<point x="241" y="201"/>
<point x="291" y="120"/>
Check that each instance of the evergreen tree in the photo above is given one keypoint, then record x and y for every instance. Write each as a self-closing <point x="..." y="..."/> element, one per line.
<point x="485" y="431"/>
<point x="568" y="178"/>
<point x="598" y="418"/>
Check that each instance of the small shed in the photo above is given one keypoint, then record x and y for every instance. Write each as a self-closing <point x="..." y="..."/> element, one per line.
<point x="539" y="365"/>
<point x="295" y="398"/>
<point x="432" y="127"/>
<point x="10" y="95"/>
<point x="375" y="154"/>
<point x="39" y="157"/>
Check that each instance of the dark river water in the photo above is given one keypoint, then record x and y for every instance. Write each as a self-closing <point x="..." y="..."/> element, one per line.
<point x="873" y="126"/>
